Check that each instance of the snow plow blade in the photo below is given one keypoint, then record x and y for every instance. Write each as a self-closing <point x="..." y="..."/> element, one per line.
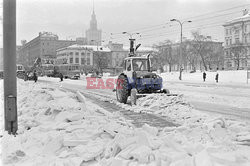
<point x="145" y="94"/>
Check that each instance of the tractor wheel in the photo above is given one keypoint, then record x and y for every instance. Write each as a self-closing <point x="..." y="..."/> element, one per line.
<point x="122" y="91"/>
<point x="133" y="96"/>
<point x="166" y="91"/>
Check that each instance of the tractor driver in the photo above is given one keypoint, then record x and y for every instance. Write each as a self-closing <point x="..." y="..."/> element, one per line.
<point x="135" y="66"/>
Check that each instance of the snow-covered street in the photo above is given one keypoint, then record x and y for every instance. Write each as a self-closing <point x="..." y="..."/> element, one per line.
<point x="59" y="126"/>
<point x="229" y="97"/>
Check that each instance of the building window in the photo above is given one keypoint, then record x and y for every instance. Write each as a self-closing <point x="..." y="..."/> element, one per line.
<point x="71" y="53"/>
<point x="230" y="41"/>
<point x="227" y="42"/>
<point x="77" y="60"/>
<point x="76" y="53"/>
<point x="227" y="54"/>
<point x="229" y="64"/>
<point x="82" y="53"/>
<point x="245" y="28"/>
<point x="237" y="40"/>
<point x="70" y="60"/>
<point x="88" y="61"/>
<point x="236" y="31"/>
<point x="82" y="61"/>
<point x="245" y="39"/>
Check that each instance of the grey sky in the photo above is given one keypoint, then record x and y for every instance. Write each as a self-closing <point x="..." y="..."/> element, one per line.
<point x="70" y="18"/>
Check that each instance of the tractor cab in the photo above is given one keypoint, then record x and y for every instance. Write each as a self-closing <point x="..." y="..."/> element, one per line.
<point x="136" y="66"/>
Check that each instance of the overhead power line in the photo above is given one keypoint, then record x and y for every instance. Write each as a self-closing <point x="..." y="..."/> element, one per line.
<point x="215" y="15"/>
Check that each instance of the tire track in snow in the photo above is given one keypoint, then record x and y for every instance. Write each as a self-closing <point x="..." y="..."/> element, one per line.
<point x="137" y="119"/>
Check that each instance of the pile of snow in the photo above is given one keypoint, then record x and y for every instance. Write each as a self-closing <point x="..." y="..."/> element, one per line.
<point x="173" y="107"/>
<point x="197" y="129"/>
<point x="55" y="128"/>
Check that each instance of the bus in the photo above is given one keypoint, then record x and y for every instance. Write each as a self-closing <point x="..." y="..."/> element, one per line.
<point x="69" y="70"/>
<point x="47" y="69"/>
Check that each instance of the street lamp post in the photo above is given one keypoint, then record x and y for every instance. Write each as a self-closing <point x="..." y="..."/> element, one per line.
<point x="181" y="60"/>
<point x="9" y="58"/>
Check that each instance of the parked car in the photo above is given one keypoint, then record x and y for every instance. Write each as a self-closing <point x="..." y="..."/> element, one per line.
<point x="75" y="77"/>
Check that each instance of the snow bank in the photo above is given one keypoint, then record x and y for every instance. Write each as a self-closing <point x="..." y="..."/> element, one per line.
<point x="56" y="129"/>
<point x="207" y="140"/>
<point x="236" y="77"/>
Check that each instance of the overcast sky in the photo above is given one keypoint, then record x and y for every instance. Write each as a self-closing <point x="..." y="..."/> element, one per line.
<point x="70" y="18"/>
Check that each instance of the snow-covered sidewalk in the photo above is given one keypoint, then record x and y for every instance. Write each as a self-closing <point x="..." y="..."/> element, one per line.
<point x="231" y="77"/>
<point x="57" y="127"/>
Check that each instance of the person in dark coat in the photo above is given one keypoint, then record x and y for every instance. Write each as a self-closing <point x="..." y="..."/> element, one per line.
<point x="35" y="76"/>
<point x="180" y="76"/>
<point x="217" y="77"/>
<point x="204" y="76"/>
<point x="61" y="76"/>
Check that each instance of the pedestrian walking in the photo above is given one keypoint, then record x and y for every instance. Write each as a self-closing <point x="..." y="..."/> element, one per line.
<point x="35" y="76"/>
<point x="204" y="76"/>
<point x="61" y="77"/>
<point x="180" y="76"/>
<point x="217" y="77"/>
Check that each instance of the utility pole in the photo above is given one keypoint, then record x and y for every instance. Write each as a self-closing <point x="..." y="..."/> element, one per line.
<point x="181" y="58"/>
<point x="9" y="52"/>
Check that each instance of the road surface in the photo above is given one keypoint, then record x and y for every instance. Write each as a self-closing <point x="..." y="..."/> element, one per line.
<point x="101" y="97"/>
<point x="209" y="98"/>
<point x="231" y="101"/>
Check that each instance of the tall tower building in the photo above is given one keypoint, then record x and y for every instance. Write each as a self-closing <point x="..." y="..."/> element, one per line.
<point x="93" y="35"/>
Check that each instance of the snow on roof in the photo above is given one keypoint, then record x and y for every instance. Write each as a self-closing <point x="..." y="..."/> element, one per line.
<point x="92" y="47"/>
<point x="238" y="19"/>
<point x="47" y="34"/>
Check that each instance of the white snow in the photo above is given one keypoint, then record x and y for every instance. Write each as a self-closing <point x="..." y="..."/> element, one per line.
<point x="232" y="89"/>
<point x="225" y="77"/>
<point x="55" y="128"/>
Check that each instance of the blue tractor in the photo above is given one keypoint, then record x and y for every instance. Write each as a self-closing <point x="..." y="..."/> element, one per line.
<point x="137" y="79"/>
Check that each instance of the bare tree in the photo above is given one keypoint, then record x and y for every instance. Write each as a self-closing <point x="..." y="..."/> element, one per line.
<point x="190" y="55"/>
<point x="165" y="54"/>
<point x="238" y="51"/>
<point x="98" y="62"/>
<point x="200" y="47"/>
<point x="210" y="52"/>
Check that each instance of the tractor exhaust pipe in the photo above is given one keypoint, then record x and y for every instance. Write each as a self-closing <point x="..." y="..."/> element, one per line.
<point x="131" y="49"/>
